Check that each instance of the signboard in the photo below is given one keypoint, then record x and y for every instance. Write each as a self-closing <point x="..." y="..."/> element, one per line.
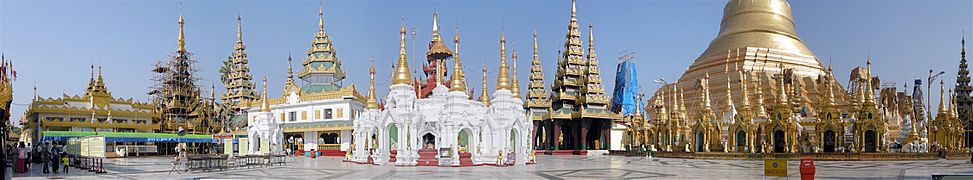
<point x="96" y="146"/>
<point x="228" y="147"/>
<point x="244" y="146"/>
<point x="74" y="146"/>
<point x="264" y="147"/>
<point x="775" y="167"/>
<point x="84" y="146"/>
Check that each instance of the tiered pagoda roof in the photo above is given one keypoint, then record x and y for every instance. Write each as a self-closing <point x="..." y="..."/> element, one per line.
<point x="436" y="58"/>
<point x="537" y="95"/>
<point x="322" y="68"/>
<point x="964" y="101"/>
<point x="239" y="81"/>
<point x="577" y="89"/>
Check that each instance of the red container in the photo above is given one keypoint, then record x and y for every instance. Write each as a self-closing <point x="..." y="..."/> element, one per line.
<point x="807" y="168"/>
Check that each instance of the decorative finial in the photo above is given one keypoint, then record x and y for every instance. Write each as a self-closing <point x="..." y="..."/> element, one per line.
<point x="591" y="36"/>
<point x="514" y="84"/>
<point x="321" y="16"/>
<point x="239" y="28"/>
<point x="456" y="40"/>
<point x="264" y="106"/>
<point x="484" y="98"/>
<point x="372" y="102"/>
<point x="573" y="8"/>
<point x="182" y="34"/>
<point x="435" y="25"/>
<point x="290" y="71"/>
<point x="402" y="75"/>
<point x="503" y="79"/>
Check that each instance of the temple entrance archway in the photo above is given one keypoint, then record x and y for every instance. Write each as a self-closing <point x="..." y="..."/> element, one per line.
<point x="513" y="146"/>
<point x="463" y="139"/>
<point x="741" y="138"/>
<point x="779" y="141"/>
<point x="429" y="141"/>
<point x="393" y="136"/>
<point x="699" y="142"/>
<point x="871" y="141"/>
<point x="829" y="141"/>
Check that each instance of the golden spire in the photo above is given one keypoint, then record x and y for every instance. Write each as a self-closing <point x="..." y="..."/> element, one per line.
<point x="457" y="82"/>
<point x="320" y="17"/>
<point x="503" y="79"/>
<point x="781" y="92"/>
<point x="729" y="93"/>
<point x="682" y="105"/>
<point x="372" y="102"/>
<point x="830" y="96"/>
<point x="402" y="75"/>
<point x="573" y="9"/>
<point x="435" y="25"/>
<point x="100" y="80"/>
<point x="290" y="70"/>
<point x="483" y="93"/>
<point x="514" y="85"/>
<point x="182" y="34"/>
<point x="761" y="110"/>
<point x="92" y="77"/>
<point x="745" y="102"/>
<point x="264" y="105"/>
<point x="704" y="90"/>
<point x="942" y="99"/>
<point x="239" y="28"/>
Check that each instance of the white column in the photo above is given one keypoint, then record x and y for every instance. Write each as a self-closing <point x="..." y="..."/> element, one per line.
<point x="345" y="140"/>
<point x="310" y="140"/>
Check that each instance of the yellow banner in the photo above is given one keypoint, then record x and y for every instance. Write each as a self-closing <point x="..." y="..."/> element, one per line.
<point x="775" y="167"/>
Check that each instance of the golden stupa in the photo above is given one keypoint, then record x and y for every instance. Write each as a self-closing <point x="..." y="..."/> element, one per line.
<point x="756" y="37"/>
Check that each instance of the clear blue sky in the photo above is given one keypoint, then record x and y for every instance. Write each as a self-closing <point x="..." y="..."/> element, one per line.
<point x="53" y="43"/>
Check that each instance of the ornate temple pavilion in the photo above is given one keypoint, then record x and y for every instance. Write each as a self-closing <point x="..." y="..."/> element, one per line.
<point x="447" y="128"/>
<point x="94" y="111"/>
<point x="317" y="115"/>
<point x="579" y="118"/>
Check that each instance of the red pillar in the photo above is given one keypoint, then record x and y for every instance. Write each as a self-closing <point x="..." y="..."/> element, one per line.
<point x="584" y="134"/>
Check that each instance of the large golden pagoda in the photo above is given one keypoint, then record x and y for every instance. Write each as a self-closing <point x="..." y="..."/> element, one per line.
<point x="760" y="38"/>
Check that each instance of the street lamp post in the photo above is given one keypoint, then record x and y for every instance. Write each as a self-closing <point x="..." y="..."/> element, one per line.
<point x="928" y="93"/>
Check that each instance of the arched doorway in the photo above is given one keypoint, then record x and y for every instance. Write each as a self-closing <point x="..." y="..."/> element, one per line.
<point x="699" y="142"/>
<point x="741" y="138"/>
<point x="429" y="141"/>
<point x="329" y="138"/>
<point x="463" y="139"/>
<point x="779" y="141"/>
<point x="393" y="136"/>
<point x="513" y="146"/>
<point x="871" y="141"/>
<point x="829" y="141"/>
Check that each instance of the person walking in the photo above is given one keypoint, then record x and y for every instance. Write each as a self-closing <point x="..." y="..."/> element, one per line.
<point x="55" y="158"/>
<point x="22" y="158"/>
<point x="65" y="162"/>
<point x="44" y="151"/>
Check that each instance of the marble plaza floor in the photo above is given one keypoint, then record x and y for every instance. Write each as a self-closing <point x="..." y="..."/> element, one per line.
<point x="548" y="167"/>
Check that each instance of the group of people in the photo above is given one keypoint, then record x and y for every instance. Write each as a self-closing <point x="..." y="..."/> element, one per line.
<point x="51" y="155"/>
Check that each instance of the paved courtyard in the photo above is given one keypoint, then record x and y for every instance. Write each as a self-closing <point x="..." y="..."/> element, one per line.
<point x="548" y="167"/>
